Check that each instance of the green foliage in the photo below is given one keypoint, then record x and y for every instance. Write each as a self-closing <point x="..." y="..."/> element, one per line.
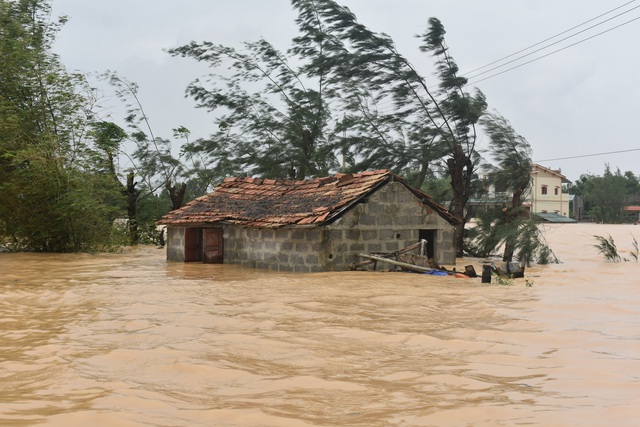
<point x="286" y="125"/>
<point x="279" y="131"/>
<point x="108" y="136"/>
<point x="604" y="196"/>
<point x="153" y="207"/>
<point x="492" y="232"/>
<point x="439" y="188"/>
<point x="510" y="228"/>
<point x="511" y="155"/>
<point x="154" y="170"/>
<point x="607" y="247"/>
<point x="503" y="281"/>
<point x="55" y="209"/>
<point x="51" y="199"/>
<point x="153" y="160"/>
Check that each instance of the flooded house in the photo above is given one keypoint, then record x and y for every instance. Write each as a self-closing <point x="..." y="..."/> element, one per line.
<point x="310" y="225"/>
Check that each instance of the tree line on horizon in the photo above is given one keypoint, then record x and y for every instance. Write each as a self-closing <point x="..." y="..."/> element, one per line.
<point x="341" y="98"/>
<point x="605" y="196"/>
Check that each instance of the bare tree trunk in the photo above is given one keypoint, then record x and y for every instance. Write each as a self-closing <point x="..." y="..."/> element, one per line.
<point x="460" y="170"/>
<point x="510" y="214"/>
<point x="132" y="194"/>
<point x="176" y="192"/>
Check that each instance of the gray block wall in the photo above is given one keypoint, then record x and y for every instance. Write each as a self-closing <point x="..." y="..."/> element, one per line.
<point x="175" y="244"/>
<point x="389" y="220"/>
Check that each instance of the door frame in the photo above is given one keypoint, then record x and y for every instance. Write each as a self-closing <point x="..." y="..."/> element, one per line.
<point x="430" y="235"/>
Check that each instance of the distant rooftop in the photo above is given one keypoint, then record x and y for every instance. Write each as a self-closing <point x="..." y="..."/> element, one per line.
<point x="554" y="217"/>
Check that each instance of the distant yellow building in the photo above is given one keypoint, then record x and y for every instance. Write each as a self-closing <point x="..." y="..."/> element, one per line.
<point x="545" y="195"/>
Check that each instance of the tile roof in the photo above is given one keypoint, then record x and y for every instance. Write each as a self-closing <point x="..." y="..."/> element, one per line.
<point x="274" y="203"/>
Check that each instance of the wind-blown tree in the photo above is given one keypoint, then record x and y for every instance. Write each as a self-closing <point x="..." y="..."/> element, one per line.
<point x="368" y="134"/>
<point x="509" y="172"/>
<point x="51" y="201"/>
<point x="108" y="138"/>
<point x="428" y="122"/>
<point x="151" y="170"/>
<point x="152" y="159"/>
<point x="275" y="117"/>
<point x="374" y="131"/>
<point x="280" y="130"/>
<point x="350" y="98"/>
<point x="459" y="112"/>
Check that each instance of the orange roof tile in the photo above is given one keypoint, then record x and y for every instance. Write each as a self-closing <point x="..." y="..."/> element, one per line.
<point x="273" y="203"/>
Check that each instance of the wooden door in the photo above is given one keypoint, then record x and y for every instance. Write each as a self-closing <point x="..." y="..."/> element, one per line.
<point x="213" y="246"/>
<point x="192" y="244"/>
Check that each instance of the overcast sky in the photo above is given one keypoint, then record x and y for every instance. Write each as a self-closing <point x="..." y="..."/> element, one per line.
<point x="580" y="101"/>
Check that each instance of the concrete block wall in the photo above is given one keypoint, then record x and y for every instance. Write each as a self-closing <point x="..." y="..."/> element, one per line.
<point x="389" y="220"/>
<point x="287" y="249"/>
<point x="175" y="244"/>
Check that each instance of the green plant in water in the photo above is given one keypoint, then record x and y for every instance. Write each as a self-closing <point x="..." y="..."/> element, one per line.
<point x="503" y="281"/>
<point x="634" y="254"/>
<point x="607" y="247"/>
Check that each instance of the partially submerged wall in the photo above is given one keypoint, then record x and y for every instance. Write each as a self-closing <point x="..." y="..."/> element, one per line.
<point x="175" y="244"/>
<point x="389" y="220"/>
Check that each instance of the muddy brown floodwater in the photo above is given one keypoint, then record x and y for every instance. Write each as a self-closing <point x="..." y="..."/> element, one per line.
<point x="129" y="340"/>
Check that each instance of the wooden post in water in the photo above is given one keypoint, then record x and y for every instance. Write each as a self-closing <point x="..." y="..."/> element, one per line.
<point x="486" y="273"/>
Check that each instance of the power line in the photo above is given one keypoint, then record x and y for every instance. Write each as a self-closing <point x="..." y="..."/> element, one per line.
<point x="388" y="103"/>
<point x="547" y="46"/>
<point x="550" y="38"/>
<point x="555" y="51"/>
<point x="587" y="155"/>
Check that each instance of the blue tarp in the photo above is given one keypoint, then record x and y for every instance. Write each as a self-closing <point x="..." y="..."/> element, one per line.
<point x="437" y="273"/>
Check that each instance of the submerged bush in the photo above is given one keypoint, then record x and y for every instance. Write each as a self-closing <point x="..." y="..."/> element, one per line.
<point x="491" y="234"/>
<point x="607" y="247"/>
